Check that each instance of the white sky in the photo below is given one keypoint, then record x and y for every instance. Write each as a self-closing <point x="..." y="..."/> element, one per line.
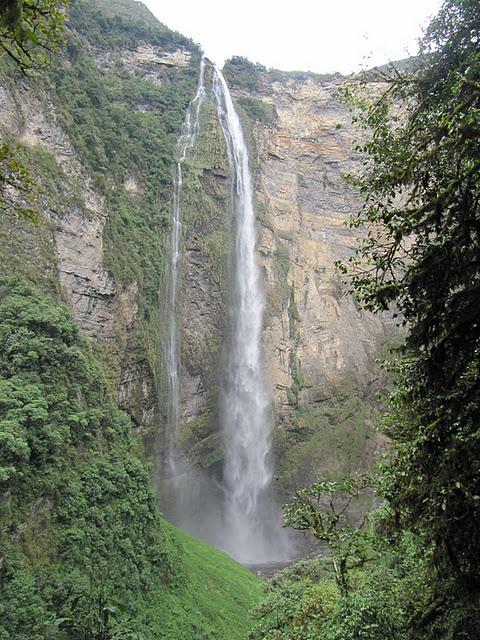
<point x="307" y="35"/>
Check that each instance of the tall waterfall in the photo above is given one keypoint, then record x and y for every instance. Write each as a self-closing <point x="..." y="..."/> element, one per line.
<point x="234" y="513"/>
<point x="172" y="351"/>
<point x="251" y="531"/>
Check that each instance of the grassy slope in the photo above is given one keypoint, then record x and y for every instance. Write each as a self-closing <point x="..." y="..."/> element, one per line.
<point x="211" y="598"/>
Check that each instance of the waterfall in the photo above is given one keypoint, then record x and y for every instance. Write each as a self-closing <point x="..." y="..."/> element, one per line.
<point x="172" y="351"/>
<point x="235" y="513"/>
<point x="251" y="533"/>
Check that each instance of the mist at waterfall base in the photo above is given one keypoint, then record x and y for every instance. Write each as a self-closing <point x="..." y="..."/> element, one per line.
<point x="236" y="511"/>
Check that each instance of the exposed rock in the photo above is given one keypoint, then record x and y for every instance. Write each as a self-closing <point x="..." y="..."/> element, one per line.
<point x="131" y="185"/>
<point x="144" y="61"/>
<point x="305" y="202"/>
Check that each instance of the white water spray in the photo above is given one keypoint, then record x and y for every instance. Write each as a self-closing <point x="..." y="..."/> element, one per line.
<point x="172" y="351"/>
<point x="252" y="533"/>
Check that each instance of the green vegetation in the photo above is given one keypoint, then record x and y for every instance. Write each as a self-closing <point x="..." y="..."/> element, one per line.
<point x="258" y="110"/>
<point x="84" y="552"/>
<point x="79" y="524"/>
<point x="330" y="437"/>
<point x="125" y="127"/>
<point x="29" y="250"/>
<point x="31" y="30"/>
<point x="77" y="509"/>
<point x="321" y="509"/>
<point x="55" y="191"/>
<point x="122" y="24"/>
<point x="243" y="74"/>
<point x="385" y="593"/>
<point x="422" y="186"/>
<point x="212" y="585"/>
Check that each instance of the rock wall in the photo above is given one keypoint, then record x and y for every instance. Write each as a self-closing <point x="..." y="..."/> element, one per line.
<point x="102" y="240"/>
<point x="305" y="202"/>
<point x="320" y="349"/>
<point x="99" y="225"/>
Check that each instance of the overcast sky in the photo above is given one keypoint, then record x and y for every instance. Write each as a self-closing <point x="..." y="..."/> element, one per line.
<point x="307" y="35"/>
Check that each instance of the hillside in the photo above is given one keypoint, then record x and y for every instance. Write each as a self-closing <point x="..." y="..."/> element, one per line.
<point x="80" y="530"/>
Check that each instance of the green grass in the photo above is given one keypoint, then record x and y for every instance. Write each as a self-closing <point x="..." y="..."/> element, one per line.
<point x="210" y="598"/>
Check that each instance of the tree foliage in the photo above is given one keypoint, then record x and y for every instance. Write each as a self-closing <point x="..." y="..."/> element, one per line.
<point x="30" y="30"/>
<point x="296" y="605"/>
<point x="321" y="509"/>
<point x="76" y="508"/>
<point x="421" y="185"/>
<point x="302" y="602"/>
<point x="18" y="190"/>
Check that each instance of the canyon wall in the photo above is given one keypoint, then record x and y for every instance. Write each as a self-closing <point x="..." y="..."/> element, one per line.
<point x="320" y="349"/>
<point x="99" y="132"/>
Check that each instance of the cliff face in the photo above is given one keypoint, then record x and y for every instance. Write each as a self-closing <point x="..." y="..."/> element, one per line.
<point x="320" y="348"/>
<point x="305" y="203"/>
<point x="99" y="133"/>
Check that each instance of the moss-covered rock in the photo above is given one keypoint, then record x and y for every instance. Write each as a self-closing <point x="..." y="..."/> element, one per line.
<point x="335" y="436"/>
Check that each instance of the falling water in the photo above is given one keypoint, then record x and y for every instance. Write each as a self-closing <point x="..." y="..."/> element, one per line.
<point x="172" y="357"/>
<point x="251" y="532"/>
<point x="237" y="513"/>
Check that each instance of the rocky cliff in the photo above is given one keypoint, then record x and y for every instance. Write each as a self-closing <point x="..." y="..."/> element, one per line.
<point x="99" y="133"/>
<point x="319" y="347"/>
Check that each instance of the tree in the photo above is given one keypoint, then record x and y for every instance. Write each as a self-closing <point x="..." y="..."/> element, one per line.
<point x="30" y="30"/>
<point x="321" y="509"/>
<point x="421" y="189"/>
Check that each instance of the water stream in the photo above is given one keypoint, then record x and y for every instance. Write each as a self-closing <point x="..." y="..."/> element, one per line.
<point x="172" y="351"/>
<point x="237" y="513"/>
<point x="252" y="532"/>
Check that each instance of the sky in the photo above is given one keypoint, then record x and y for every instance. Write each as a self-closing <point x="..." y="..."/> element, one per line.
<point x="307" y="35"/>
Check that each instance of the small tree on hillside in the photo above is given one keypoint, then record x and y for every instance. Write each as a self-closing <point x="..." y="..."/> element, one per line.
<point x="321" y="509"/>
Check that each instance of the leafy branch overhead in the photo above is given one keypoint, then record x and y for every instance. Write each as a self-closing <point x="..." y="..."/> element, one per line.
<point x="30" y="30"/>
